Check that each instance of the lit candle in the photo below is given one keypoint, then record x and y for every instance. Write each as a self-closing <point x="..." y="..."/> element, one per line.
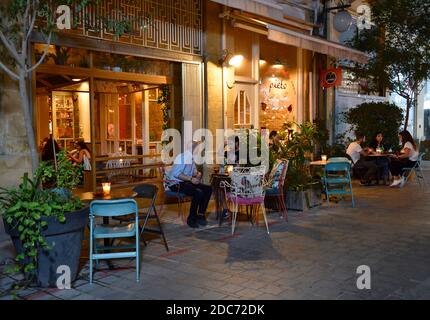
<point x="120" y="149"/>
<point x="323" y="157"/>
<point x="106" y="188"/>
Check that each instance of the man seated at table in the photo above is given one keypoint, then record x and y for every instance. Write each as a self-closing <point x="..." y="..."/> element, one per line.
<point x="188" y="179"/>
<point x="358" y="155"/>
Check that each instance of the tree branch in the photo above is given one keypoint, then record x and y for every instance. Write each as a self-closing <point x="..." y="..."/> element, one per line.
<point x="45" y="52"/>
<point x="11" y="49"/>
<point x="9" y="72"/>
<point x="33" y="21"/>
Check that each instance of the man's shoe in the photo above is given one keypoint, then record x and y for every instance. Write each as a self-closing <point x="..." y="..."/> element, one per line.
<point x="201" y="220"/>
<point x="192" y="223"/>
<point x="365" y="183"/>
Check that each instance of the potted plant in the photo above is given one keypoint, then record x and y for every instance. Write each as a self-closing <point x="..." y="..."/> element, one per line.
<point x="61" y="55"/>
<point x="46" y="225"/>
<point x="302" y="190"/>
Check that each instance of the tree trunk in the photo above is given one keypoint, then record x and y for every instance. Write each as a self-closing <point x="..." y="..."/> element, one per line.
<point x="26" y="109"/>
<point x="408" y="108"/>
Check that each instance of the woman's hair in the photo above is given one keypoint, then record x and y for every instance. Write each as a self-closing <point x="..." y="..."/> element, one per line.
<point x="48" y="150"/>
<point x="407" y="137"/>
<point x="82" y="144"/>
<point x="273" y="133"/>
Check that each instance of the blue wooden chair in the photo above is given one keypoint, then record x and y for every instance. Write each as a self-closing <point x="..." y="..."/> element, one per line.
<point x="407" y="172"/>
<point x="113" y="208"/>
<point x="337" y="179"/>
<point x="276" y="186"/>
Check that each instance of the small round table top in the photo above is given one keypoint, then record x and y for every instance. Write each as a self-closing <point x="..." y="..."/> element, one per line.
<point x="114" y="194"/>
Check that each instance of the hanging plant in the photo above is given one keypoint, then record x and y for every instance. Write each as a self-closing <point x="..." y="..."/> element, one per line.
<point x="164" y="100"/>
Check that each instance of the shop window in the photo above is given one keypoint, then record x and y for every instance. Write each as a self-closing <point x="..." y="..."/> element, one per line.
<point x="242" y="109"/>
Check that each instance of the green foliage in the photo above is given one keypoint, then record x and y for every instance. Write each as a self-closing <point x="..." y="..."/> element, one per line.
<point x="61" y="55"/>
<point x="398" y="47"/>
<point x="24" y="209"/>
<point x="369" y="118"/>
<point x="298" y="150"/>
<point x="67" y="175"/>
<point x="164" y="100"/>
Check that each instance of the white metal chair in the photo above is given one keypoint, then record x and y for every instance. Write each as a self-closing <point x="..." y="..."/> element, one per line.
<point x="407" y="172"/>
<point x="247" y="189"/>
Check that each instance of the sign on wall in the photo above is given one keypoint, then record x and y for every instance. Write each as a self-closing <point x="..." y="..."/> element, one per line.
<point x="331" y="77"/>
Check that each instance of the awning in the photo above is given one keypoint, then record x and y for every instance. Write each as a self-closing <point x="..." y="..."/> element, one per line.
<point x="273" y="11"/>
<point x="297" y="39"/>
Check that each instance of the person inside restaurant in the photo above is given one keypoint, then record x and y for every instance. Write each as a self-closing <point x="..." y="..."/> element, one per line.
<point x="358" y="156"/>
<point x="377" y="146"/>
<point x="48" y="146"/>
<point x="188" y="181"/>
<point x="82" y="156"/>
<point x="274" y="141"/>
<point x="407" y="158"/>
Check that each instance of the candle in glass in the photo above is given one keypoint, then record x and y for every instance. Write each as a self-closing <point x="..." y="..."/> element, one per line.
<point x="323" y="157"/>
<point x="106" y="188"/>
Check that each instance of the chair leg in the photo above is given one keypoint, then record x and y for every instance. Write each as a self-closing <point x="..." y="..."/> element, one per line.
<point x="161" y="229"/>
<point x="137" y="257"/>
<point x="233" y="222"/>
<point x="91" y="258"/>
<point x="265" y="218"/>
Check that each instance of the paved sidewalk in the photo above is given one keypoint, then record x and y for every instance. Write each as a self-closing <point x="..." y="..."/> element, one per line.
<point x="312" y="256"/>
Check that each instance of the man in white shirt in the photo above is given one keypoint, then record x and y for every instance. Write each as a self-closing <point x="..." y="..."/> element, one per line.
<point x="189" y="182"/>
<point x="358" y="154"/>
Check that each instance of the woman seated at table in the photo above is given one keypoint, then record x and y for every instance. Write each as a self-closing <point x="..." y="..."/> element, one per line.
<point x="407" y="158"/>
<point x="377" y="146"/>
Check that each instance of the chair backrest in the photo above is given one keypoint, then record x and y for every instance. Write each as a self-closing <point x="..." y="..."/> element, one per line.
<point x="420" y="159"/>
<point x="146" y="191"/>
<point x="248" y="182"/>
<point x="165" y="176"/>
<point x="113" y="208"/>
<point x="338" y="166"/>
<point x="278" y="174"/>
<point x="338" y="159"/>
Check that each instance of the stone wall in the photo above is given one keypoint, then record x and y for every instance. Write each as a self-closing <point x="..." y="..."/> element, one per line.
<point x="14" y="151"/>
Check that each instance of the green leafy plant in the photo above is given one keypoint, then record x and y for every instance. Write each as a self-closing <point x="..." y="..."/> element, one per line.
<point x="298" y="151"/>
<point x="61" y="55"/>
<point x="24" y="209"/>
<point x="371" y="117"/>
<point x="66" y="175"/>
<point x="164" y="100"/>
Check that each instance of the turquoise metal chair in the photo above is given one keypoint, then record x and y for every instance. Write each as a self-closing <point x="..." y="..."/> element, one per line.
<point x="337" y="179"/>
<point x="113" y="208"/>
<point x="407" y="172"/>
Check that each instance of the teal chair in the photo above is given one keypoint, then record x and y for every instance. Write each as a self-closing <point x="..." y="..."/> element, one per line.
<point x="407" y="172"/>
<point x="337" y="179"/>
<point x="113" y="208"/>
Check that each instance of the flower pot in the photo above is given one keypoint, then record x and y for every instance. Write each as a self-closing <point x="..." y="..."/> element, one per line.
<point x="65" y="240"/>
<point x="305" y="199"/>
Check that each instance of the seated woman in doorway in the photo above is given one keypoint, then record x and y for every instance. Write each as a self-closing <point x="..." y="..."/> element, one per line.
<point x="188" y="181"/>
<point x="377" y="145"/>
<point x="50" y="148"/>
<point x="407" y="158"/>
<point x="82" y="155"/>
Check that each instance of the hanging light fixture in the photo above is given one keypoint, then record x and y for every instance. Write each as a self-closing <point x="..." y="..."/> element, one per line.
<point x="342" y="21"/>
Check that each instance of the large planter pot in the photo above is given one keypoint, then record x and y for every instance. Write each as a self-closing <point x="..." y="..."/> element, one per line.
<point x="65" y="240"/>
<point x="305" y="199"/>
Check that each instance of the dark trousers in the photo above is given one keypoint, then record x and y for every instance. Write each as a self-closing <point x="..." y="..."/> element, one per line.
<point x="397" y="165"/>
<point x="383" y="164"/>
<point x="370" y="168"/>
<point x="201" y="194"/>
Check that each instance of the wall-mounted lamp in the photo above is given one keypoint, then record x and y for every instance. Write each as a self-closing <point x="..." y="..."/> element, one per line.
<point x="279" y="64"/>
<point x="234" y="60"/>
